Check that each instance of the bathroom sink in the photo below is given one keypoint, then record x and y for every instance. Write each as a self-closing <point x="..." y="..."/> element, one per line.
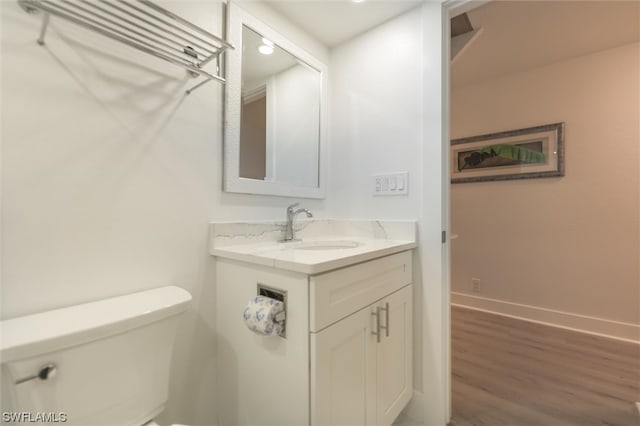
<point x="326" y="245"/>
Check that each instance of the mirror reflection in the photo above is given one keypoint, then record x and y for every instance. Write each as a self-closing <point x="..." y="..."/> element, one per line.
<point x="280" y="114"/>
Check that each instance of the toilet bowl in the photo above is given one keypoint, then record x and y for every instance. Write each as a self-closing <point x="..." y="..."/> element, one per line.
<point x="99" y="363"/>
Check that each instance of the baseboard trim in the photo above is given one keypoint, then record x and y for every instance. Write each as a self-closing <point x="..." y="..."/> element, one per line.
<point x="601" y="327"/>
<point x="415" y="408"/>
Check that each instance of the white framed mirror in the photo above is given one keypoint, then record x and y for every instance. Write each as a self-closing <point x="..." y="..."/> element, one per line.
<point x="275" y="113"/>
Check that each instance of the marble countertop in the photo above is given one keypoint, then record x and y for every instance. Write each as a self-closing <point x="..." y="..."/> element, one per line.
<point x="258" y="243"/>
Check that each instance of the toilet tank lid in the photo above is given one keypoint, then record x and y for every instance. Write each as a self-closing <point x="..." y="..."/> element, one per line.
<point x="32" y="335"/>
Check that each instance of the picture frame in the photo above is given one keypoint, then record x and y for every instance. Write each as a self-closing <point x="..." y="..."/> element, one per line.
<point x="530" y="153"/>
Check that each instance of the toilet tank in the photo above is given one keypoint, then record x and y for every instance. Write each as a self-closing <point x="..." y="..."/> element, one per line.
<point x="112" y="360"/>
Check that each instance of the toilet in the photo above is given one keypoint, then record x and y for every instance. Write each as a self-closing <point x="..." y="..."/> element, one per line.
<point x="99" y="363"/>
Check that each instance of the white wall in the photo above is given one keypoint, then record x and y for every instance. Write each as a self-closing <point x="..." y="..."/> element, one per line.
<point x="368" y="137"/>
<point x="110" y="176"/>
<point x="376" y="116"/>
<point x="386" y="116"/>
<point x="567" y="244"/>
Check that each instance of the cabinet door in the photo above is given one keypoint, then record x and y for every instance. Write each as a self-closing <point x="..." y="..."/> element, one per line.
<point x="394" y="357"/>
<point x="343" y="371"/>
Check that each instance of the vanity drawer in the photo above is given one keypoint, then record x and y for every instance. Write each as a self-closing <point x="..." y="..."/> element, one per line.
<point x="337" y="294"/>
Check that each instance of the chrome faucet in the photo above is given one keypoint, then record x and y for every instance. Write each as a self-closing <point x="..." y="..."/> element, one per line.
<point x="289" y="234"/>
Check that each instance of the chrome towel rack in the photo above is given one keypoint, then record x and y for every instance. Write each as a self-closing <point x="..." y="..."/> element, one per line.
<point x="142" y="25"/>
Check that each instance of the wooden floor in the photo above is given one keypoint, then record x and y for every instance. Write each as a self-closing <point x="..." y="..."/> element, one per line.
<point x="517" y="373"/>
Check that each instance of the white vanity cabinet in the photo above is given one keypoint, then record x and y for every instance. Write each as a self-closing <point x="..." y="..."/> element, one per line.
<point x="346" y="358"/>
<point x="357" y="379"/>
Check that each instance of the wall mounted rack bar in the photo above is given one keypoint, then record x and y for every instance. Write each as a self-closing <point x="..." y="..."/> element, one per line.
<point x="142" y="25"/>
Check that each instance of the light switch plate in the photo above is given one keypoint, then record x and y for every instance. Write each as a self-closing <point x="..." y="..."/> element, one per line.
<point x="395" y="183"/>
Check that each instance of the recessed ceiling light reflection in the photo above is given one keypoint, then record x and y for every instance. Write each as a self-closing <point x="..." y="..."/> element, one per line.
<point x="265" y="50"/>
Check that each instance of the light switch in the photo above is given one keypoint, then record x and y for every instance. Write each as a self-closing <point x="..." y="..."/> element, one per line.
<point x="391" y="183"/>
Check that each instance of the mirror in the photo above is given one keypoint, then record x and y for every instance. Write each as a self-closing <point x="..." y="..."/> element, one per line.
<point x="279" y="114"/>
<point x="274" y="113"/>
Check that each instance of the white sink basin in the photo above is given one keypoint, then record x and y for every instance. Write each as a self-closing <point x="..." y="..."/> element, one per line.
<point x="326" y="245"/>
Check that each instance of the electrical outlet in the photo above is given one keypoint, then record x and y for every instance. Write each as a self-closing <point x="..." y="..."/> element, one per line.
<point x="475" y="285"/>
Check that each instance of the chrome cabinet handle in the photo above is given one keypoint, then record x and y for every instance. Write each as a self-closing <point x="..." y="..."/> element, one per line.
<point x="377" y="315"/>
<point x="46" y="372"/>
<point x="386" y="312"/>
<point x="378" y="325"/>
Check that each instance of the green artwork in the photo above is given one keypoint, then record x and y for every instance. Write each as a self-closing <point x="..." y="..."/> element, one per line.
<point x="499" y="155"/>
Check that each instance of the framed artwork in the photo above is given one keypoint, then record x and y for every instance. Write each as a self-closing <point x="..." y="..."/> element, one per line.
<point x="534" y="152"/>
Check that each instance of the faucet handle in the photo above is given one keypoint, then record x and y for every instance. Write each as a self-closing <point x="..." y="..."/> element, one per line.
<point x="292" y="206"/>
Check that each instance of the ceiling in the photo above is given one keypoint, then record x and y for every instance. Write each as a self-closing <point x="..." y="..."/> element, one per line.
<point x="519" y="35"/>
<point x="333" y="22"/>
<point x="516" y="34"/>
